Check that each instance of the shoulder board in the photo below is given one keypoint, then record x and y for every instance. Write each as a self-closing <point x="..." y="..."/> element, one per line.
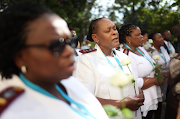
<point x="178" y="56"/>
<point x="87" y="50"/>
<point x="8" y="95"/>
<point x="118" y="48"/>
<point x="126" y="51"/>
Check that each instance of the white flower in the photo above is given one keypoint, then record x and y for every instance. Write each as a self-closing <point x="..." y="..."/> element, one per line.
<point x="156" y="57"/>
<point x="175" y="54"/>
<point x="145" y="46"/>
<point x="125" y="61"/>
<point x="89" y="45"/>
<point x="150" y="41"/>
<point x="120" y="79"/>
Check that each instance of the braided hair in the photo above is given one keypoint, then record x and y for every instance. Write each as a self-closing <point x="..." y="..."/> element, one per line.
<point x="13" y="23"/>
<point x="124" y="31"/>
<point x="92" y="28"/>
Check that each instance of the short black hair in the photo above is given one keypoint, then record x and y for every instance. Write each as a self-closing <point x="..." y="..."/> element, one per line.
<point x="13" y="22"/>
<point x="92" y="27"/>
<point x="124" y="31"/>
<point x="151" y="36"/>
<point x="164" y="32"/>
<point x="144" y="32"/>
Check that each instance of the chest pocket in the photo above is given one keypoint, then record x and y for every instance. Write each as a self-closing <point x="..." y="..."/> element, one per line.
<point x="103" y="88"/>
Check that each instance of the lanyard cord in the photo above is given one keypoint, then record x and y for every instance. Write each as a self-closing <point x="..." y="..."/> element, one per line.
<point x="118" y="62"/>
<point x="162" y="55"/>
<point x="82" y="112"/>
<point x="140" y="53"/>
<point x="130" y="48"/>
<point x="169" y="47"/>
<point x="76" y="56"/>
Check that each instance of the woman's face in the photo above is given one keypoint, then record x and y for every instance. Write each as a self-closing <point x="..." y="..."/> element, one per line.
<point x="136" y="39"/>
<point x="106" y="34"/>
<point x="41" y="64"/>
<point x="158" y="40"/>
<point x="145" y="37"/>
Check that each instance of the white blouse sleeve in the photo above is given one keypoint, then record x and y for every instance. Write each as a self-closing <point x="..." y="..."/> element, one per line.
<point x="134" y="64"/>
<point x="85" y="74"/>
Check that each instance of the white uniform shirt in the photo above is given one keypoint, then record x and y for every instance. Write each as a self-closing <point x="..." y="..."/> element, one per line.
<point x="147" y="46"/>
<point x="34" y="105"/>
<point x="142" y="68"/>
<point x="165" y="67"/>
<point x="161" y="61"/>
<point x="93" y="70"/>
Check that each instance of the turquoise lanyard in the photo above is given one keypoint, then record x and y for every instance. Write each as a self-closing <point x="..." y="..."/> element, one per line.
<point x="170" y="50"/>
<point x="75" y="56"/>
<point x="141" y="54"/>
<point x="84" y="112"/>
<point x="162" y="55"/>
<point x="118" y="62"/>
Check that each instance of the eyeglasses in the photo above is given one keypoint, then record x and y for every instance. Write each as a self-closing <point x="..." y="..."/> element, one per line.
<point x="57" y="46"/>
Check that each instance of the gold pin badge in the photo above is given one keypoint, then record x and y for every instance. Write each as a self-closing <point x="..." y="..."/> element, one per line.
<point x="18" y="88"/>
<point x="2" y="101"/>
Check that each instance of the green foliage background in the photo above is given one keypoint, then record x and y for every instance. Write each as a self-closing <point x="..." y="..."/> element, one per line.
<point x="151" y="15"/>
<point x="75" y="12"/>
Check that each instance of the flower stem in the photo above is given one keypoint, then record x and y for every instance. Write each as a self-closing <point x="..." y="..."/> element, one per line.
<point x="134" y="90"/>
<point x="134" y="82"/>
<point x="122" y="102"/>
<point x="129" y="68"/>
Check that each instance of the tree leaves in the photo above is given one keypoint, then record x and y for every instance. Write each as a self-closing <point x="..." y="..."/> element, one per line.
<point x="75" y="12"/>
<point x="151" y="15"/>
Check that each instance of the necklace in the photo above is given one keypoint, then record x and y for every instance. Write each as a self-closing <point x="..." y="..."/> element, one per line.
<point x="147" y="58"/>
<point x="117" y="60"/>
<point x="82" y="111"/>
<point x="162" y="56"/>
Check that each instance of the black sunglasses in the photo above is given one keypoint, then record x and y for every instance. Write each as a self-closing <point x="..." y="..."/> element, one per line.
<point x="57" y="46"/>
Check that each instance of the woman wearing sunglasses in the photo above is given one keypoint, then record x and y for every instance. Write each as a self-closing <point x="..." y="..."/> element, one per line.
<point x="34" y="52"/>
<point x="93" y="69"/>
<point x="143" y="68"/>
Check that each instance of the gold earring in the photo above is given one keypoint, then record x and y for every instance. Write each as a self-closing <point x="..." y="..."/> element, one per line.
<point x="23" y="69"/>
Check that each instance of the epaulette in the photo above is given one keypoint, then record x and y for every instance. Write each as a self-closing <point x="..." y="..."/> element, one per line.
<point x="126" y="51"/>
<point x="87" y="50"/>
<point x="117" y="48"/>
<point x="8" y="95"/>
<point x="178" y="56"/>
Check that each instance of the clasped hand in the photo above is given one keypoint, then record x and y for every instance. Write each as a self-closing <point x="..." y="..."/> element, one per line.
<point x="133" y="103"/>
<point x="157" y="82"/>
